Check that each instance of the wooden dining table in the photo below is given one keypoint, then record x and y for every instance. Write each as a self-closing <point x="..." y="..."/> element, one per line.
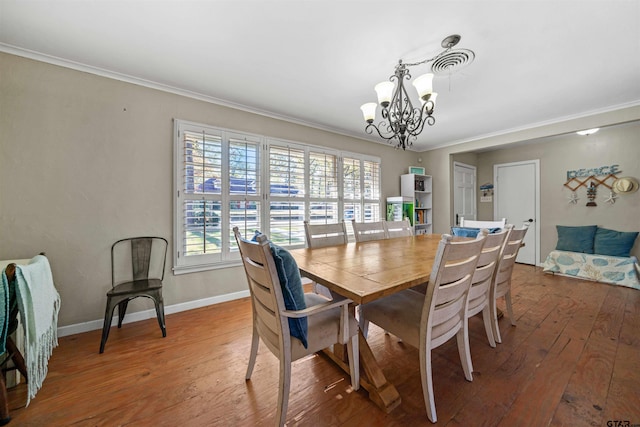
<point x="364" y="272"/>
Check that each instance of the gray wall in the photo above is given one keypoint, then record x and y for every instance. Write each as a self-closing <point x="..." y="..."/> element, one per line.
<point x="87" y="160"/>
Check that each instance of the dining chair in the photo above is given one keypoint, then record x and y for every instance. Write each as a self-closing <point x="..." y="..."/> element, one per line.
<point x="321" y="236"/>
<point x="501" y="286"/>
<point x="428" y="321"/>
<point x="367" y="231"/>
<point x="480" y="292"/>
<point x="482" y="224"/>
<point x="398" y="228"/>
<point x="137" y="270"/>
<point x="327" y="322"/>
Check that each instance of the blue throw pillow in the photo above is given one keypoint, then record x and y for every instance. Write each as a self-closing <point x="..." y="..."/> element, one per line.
<point x="471" y="232"/>
<point x="465" y="231"/>
<point x="292" y="291"/>
<point x="614" y="243"/>
<point x="576" y="239"/>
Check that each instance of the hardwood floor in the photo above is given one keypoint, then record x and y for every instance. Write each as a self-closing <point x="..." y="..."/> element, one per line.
<point x="573" y="359"/>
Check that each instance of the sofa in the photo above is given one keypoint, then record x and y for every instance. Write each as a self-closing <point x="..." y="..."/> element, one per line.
<point x="595" y="253"/>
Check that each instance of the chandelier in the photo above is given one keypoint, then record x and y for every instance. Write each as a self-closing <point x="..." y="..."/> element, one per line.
<point x="402" y="122"/>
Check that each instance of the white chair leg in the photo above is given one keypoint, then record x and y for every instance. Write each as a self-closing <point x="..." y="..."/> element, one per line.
<point x="427" y="384"/>
<point x="494" y="321"/>
<point x="486" y="319"/>
<point x="255" y="341"/>
<point x="354" y="361"/>
<point x="283" y="390"/>
<point x="464" y="351"/>
<point x="507" y="299"/>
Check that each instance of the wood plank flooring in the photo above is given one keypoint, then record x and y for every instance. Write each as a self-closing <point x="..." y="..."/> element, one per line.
<point x="573" y="359"/>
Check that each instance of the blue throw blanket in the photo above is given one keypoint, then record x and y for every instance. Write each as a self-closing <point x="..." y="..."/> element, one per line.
<point x="39" y="304"/>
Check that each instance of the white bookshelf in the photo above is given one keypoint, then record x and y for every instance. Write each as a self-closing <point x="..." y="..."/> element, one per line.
<point x="419" y="187"/>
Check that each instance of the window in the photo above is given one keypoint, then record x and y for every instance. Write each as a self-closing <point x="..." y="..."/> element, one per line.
<point x="226" y="179"/>
<point x="361" y="190"/>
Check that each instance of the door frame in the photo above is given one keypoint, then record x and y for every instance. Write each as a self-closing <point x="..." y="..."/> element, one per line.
<point x="537" y="219"/>
<point x="455" y="189"/>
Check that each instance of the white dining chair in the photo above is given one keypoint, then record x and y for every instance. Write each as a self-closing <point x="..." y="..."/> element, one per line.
<point x="501" y="286"/>
<point x="322" y="236"/>
<point x="328" y="322"/>
<point x="480" y="292"/>
<point x="398" y="228"/>
<point x="367" y="231"/>
<point x="482" y="224"/>
<point x="428" y="321"/>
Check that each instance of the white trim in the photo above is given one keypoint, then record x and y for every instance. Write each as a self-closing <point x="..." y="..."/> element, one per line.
<point x="93" y="325"/>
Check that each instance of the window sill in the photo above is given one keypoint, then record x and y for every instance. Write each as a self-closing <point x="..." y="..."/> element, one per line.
<point x="186" y="269"/>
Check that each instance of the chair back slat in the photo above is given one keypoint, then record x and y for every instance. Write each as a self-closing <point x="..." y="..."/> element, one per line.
<point x="270" y="338"/>
<point x="398" y="228"/>
<point x="267" y="317"/>
<point x="323" y="235"/>
<point x="367" y="231"/>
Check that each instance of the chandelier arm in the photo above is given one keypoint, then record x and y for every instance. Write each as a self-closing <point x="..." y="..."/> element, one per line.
<point x="370" y="132"/>
<point x="428" y="119"/>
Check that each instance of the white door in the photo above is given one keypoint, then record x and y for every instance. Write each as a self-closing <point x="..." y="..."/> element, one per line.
<point x="464" y="192"/>
<point x="517" y="198"/>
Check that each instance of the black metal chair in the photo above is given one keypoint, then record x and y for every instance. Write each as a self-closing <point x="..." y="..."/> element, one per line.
<point x="137" y="270"/>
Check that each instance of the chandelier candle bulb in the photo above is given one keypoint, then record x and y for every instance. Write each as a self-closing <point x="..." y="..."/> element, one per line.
<point x="384" y="91"/>
<point x="369" y="111"/>
<point x="424" y="86"/>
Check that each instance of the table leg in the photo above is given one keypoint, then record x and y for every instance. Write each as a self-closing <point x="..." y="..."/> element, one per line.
<point x="381" y="392"/>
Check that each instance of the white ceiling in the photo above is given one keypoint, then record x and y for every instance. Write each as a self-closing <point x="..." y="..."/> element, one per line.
<point x="316" y="61"/>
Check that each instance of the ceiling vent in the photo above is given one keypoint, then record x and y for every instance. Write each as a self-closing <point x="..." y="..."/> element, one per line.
<point x="452" y="61"/>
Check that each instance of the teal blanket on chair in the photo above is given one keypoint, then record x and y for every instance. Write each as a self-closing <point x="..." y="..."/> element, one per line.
<point x="4" y="312"/>
<point x="39" y="304"/>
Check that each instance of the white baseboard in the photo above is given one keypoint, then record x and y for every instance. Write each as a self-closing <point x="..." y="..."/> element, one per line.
<point x="92" y="325"/>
